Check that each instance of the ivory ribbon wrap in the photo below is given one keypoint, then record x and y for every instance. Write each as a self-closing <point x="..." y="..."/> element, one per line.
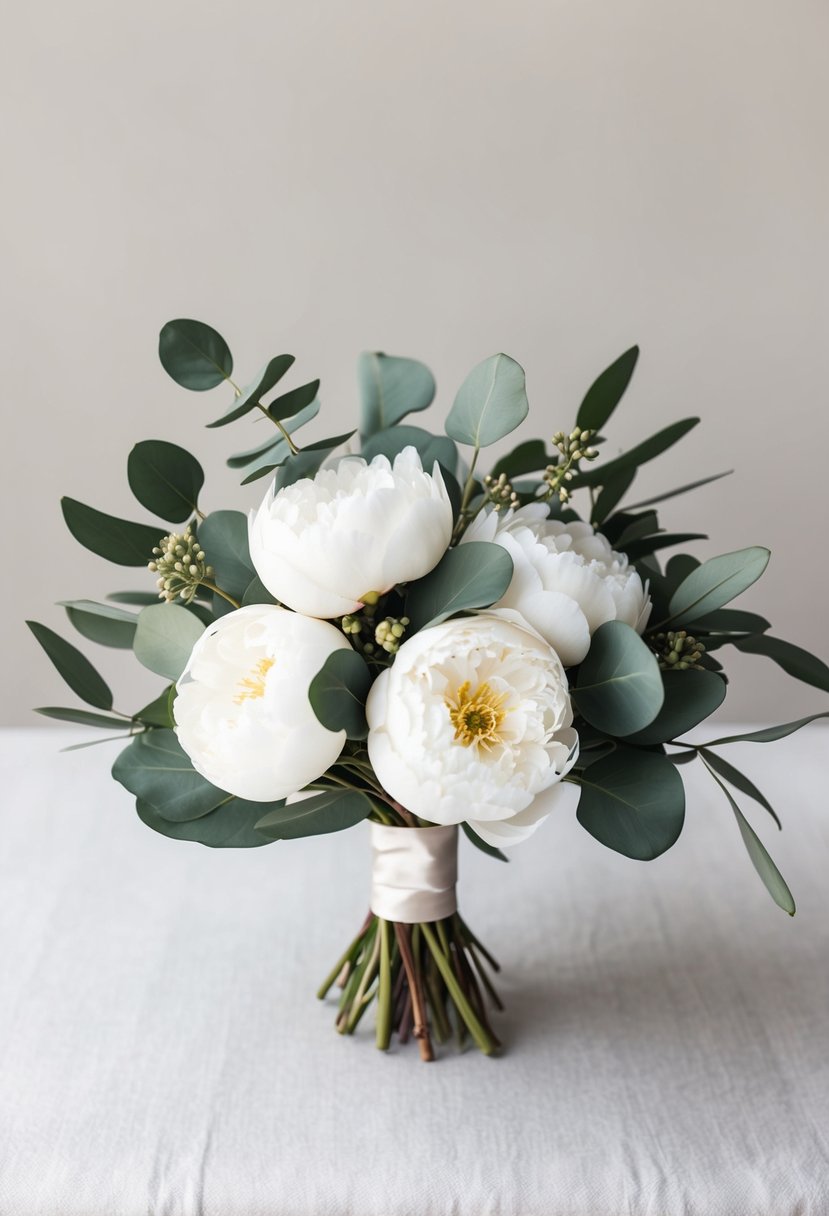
<point x="413" y="872"/>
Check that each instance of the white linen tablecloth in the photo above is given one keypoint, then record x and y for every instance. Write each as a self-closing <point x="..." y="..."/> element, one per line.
<point x="162" y="1053"/>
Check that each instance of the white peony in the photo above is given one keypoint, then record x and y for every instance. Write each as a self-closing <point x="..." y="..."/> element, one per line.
<point x="321" y="545"/>
<point x="567" y="580"/>
<point x="242" y="712"/>
<point x="473" y="722"/>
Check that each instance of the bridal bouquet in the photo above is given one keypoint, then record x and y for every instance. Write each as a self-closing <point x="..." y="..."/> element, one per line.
<point x="396" y="636"/>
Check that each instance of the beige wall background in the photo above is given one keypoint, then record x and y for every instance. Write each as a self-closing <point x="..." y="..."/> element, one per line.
<point x="557" y="180"/>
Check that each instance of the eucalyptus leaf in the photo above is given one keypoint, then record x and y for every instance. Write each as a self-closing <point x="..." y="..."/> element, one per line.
<point x="637" y="549"/>
<point x="331" y="811"/>
<point x="491" y="402"/>
<point x="194" y="354"/>
<point x="160" y="711"/>
<point x="634" y="802"/>
<point x="429" y="447"/>
<point x="257" y="593"/>
<point x="528" y="457"/>
<point x="84" y="718"/>
<point x="102" y="623"/>
<point x="390" y="388"/>
<point x="165" y="479"/>
<point x="692" y="485"/>
<point x="118" y="540"/>
<point x="165" y="637"/>
<point x="599" y="475"/>
<point x="231" y="826"/>
<point x="619" y="686"/>
<point x="474" y="575"/>
<point x="307" y="462"/>
<point x="715" y="583"/>
<point x="794" y="660"/>
<point x="275" y="448"/>
<point x="141" y="598"/>
<point x="739" y="780"/>
<point x="223" y="536"/>
<point x="731" y="620"/>
<point x="773" y="880"/>
<point x="769" y="734"/>
<point x="690" y="697"/>
<point x="338" y="693"/>
<point x="294" y="402"/>
<point x="606" y="391"/>
<point x="155" y="768"/>
<point x="490" y="849"/>
<point x="612" y="492"/>
<point x="74" y="667"/>
<point x="251" y="395"/>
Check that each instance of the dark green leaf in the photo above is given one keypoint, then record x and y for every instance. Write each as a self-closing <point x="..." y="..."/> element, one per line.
<point x="474" y="575"/>
<point x="160" y="711"/>
<point x="294" y="402"/>
<point x="731" y="620"/>
<point x="529" y="457"/>
<point x="275" y="448"/>
<point x="769" y="734"/>
<point x="612" y="492"/>
<point x="102" y="623"/>
<point x="84" y="718"/>
<point x="637" y="549"/>
<point x="491" y="402"/>
<point x="165" y="479"/>
<point x="599" y="475"/>
<point x="429" y="447"/>
<point x="134" y="597"/>
<point x="74" y="667"/>
<point x="230" y="826"/>
<point x="306" y="463"/>
<point x="619" y="687"/>
<point x="257" y="593"/>
<point x="118" y="540"/>
<point x="794" y="660"/>
<point x="772" y="878"/>
<point x="633" y="802"/>
<point x="692" y="485"/>
<point x="489" y="849"/>
<point x="331" y="811"/>
<point x="194" y="354"/>
<point x="251" y="395"/>
<point x="690" y="697"/>
<point x="715" y="583"/>
<point x="338" y="693"/>
<point x="165" y="637"/>
<point x="635" y="526"/>
<point x="739" y="780"/>
<point x="224" y="538"/>
<point x="606" y="391"/>
<point x="391" y="388"/>
<point x="155" y="768"/>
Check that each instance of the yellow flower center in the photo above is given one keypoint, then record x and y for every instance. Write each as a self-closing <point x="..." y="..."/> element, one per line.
<point x="253" y="686"/>
<point x="476" y="716"/>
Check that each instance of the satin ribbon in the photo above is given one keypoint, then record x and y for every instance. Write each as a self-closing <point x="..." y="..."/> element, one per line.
<point x="413" y="872"/>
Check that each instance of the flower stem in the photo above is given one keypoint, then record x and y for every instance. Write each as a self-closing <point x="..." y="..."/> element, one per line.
<point x="421" y="1028"/>
<point x="218" y="591"/>
<point x="485" y="1042"/>
<point x="346" y="957"/>
<point x="384" y="990"/>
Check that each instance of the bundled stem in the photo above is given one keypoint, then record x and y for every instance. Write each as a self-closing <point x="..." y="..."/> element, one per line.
<point x="426" y="979"/>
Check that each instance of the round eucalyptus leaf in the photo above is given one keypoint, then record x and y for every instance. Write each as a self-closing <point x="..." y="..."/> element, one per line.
<point x="165" y="479"/>
<point x="715" y="583"/>
<point x="690" y="697"/>
<point x="165" y="637"/>
<point x="155" y="768"/>
<point x="491" y="402"/>
<point x="391" y="388"/>
<point x="194" y="354"/>
<point x="223" y="536"/>
<point x="231" y="826"/>
<point x="619" y="686"/>
<point x="633" y="802"/>
<point x="338" y="693"/>
<point x="430" y="448"/>
<point x="474" y="575"/>
<point x="331" y="811"/>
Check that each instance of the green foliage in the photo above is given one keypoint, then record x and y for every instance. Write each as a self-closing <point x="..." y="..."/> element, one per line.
<point x="633" y="801"/>
<point x="731" y="620"/>
<point x="331" y="811"/>
<point x="134" y="597"/>
<point x="257" y="593"/>
<point x="794" y="660"/>
<point x="529" y="457"/>
<point x="474" y="575"/>
<point x="164" y="638"/>
<point x="391" y="388"/>
<point x="251" y="396"/>
<point x="102" y="623"/>
<point x="194" y="354"/>
<point x="293" y="403"/>
<point x="306" y="463"/>
<point x="489" y="849"/>
<point x="690" y="697"/>
<point x="606" y="392"/>
<point x="769" y="734"/>
<point x="645" y="545"/>
<point x="118" y="540"/>
<point x="601" y="473"/>
<point x="619" y="686"/>
<point x="739" y="780"/>
<point x="74" y="667"/>
<point x="231" y="826"/>
<point x="155" y="768"/>
<point x="429" y="447"/>
<point x="338" y="693"/>
<point x="273" y="451"/>
<point x="613" y="490"/>
<point x="159" y="712"/>
<point x="82" y="717"/>
<point x="491" y="402"/>
<point x="692" y="485"/>
<point x="165" y="479"/>
<point x="715" y="583"/>
<point x="224" y="538"/>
